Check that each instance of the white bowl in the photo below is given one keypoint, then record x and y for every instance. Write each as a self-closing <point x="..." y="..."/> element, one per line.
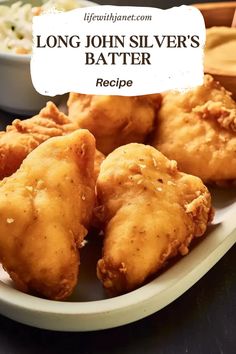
<point x="17" y="94"/>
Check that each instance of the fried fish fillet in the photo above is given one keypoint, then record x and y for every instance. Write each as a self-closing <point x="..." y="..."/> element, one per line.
<point x="114" y="120"/>
<point x="99" y="158"/>
<point x="150" y="213"/>
<point x="22" y="137"/>
<point x="45" y="210"/>
<point x="197" y="128"/>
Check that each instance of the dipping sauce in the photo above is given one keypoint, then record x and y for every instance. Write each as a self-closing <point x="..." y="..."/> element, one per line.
<point x="220" y="50"/>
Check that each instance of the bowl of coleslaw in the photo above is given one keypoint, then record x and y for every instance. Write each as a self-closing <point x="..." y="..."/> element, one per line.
<point x="17" y="94"/>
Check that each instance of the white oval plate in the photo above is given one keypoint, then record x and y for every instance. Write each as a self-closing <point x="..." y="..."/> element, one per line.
<point x="89" y="309"/>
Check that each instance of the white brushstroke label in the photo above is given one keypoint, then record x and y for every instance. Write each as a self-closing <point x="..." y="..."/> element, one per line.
<point x="118" y="50"/>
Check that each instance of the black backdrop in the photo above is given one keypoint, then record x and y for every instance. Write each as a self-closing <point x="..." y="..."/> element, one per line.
<point x="158" y="3"/>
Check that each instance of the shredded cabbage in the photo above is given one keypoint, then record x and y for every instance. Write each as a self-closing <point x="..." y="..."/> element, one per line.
<point x="60" y="5"/>
<point x="16" y="23"/>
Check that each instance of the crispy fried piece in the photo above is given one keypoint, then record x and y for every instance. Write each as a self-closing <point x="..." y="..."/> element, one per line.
<point x="45" y="209"/>
<point x="198" y="129"/>
<point x="23" y="136"/>
<point x="114" y="120"/>
<point x="99" y="157"/>
<point x="151" y="212"/>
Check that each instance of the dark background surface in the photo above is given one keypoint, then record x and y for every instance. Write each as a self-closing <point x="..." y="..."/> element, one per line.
<point x="202" y="321"/>
<point x="153" y="3"/>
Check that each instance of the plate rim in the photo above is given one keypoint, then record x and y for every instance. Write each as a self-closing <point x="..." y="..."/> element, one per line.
<point x="127" y="308"/>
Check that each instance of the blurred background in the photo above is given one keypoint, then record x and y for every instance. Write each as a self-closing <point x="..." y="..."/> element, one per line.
<point x="151" y="3"/>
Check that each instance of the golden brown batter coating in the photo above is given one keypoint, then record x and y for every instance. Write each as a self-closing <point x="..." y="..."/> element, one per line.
<point x="114" y="120"/>
<point x="99" y="157"/>
<point x="150" y="212"/>
<point x="23" y="136"/>
<point x="198" y="129"/>
<point x="45" y="209"/>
